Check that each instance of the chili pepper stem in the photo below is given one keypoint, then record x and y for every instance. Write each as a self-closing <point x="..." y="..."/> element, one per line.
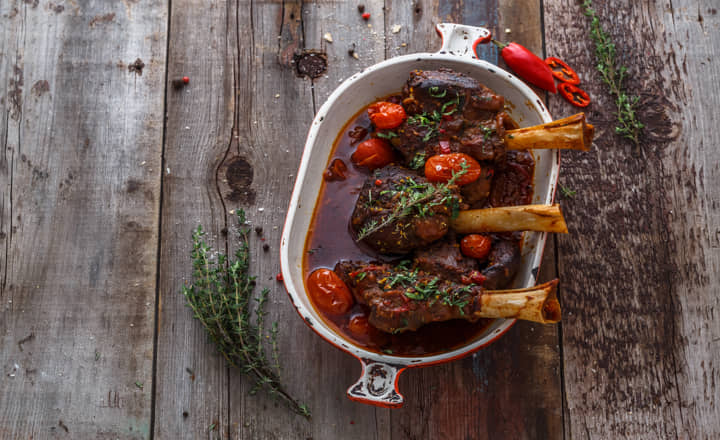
<point x="500" y="44"/>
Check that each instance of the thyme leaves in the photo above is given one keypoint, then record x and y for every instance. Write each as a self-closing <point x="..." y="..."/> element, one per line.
<point x="220" y="297"/>
<point x="386" y="134"/>
<point x="613" y="74"/>
<point x="436" y="93"/>
<point x="414" y="198"/>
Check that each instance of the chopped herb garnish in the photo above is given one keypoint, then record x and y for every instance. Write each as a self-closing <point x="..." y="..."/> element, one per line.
<point x="415" y="199"/>
<point x="436" y="93"/>
<point x="454" y="102"/>
<point x="418" y="161"/>
<point x="386" y="134"/>
<point x="423" y="291"/>
<point x="458" y="297"/>
<point x="487" y="132"/>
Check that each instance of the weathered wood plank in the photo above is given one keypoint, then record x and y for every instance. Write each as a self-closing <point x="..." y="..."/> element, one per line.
<point x="192" y="378"/>
<point x="510" y="389"/>
<point x="641" y="267"/>
<point x="316" y="372"/>
<point x="79" y="190"/>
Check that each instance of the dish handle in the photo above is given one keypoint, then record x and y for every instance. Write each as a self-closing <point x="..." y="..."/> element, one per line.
<point x="462" y="40"/>
<point x="377" y="384"/>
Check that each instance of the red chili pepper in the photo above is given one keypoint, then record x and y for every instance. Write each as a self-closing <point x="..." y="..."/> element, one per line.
<point x="279" y="277"/>
<point x="527" y="65"/>
<point x="565" y="74"/>
<point x="575" y="95"/>
<point x="378" y="182"/>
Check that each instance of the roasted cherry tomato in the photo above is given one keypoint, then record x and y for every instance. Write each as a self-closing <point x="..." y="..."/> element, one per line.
<point x="386" y="114"/>
<point x="329" y="292"/>
<point x="441" y="167"/>
<point x="373" y="153"/>
<point x="476" y="246"/>
<point x="359" y="326"/>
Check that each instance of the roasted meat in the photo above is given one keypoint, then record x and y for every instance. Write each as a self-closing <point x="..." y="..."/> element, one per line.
<point x="444" y="259"/>
<point x="429" y="91"/>
<point x="512" y="184"/>
<point x="398" y="211"/>
<point x="439" y="284"/>
<point x="401" y="297"/>
<point x="503" y="264"/>
<point x="449" y="112"/>
<point x="475" y="193"/>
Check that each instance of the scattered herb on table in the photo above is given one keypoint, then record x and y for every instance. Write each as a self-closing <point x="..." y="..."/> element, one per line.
<point x="139" y="384"/>
<point x="220" y="297"/>
<point x="567" y="192"/>
<point x="613" y="75"/>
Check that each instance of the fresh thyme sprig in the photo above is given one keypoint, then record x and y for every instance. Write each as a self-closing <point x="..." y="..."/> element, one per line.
<point x="415" y="196"/>
<point x="613" y="75"/>
<point x="220" y="297"/>
<point x="567" y="192"/>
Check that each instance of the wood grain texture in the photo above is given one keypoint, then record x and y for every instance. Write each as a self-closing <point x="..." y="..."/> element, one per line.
<point x="316" y="372"/>
<point x="641" y="267"/>
<point x="255" y="168"/>
<point x="511" y="389"/>
<point x="79" y="190"/>
<point x="192" y="378"/>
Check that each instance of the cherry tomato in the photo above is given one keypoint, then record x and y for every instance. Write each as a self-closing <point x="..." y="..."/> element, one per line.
<point x="440" y="168"/>
<point x="329" y="292"/>
<point x="373" y="153"/>
<point x="359" y="326"/>
<point x="476" y="246"/>
<point x="386" y="114"/>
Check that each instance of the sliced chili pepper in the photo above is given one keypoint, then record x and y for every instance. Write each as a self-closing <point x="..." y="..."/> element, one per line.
<point x="573" y="94"/>
<point x="566" y="74"/>
<point x="527" y="65"/>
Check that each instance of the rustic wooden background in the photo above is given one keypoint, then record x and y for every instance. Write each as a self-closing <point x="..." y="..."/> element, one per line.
<point x="106" y="168"/>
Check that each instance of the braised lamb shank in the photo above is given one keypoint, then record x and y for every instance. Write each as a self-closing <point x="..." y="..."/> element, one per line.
<point x="438" y="284"/>
<point x="421" y="211"/>
<point x="449" y="112"/>
<point x="399" y="211"/>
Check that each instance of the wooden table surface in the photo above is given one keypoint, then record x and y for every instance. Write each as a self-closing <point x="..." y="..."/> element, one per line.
<point x="106" y="168"/>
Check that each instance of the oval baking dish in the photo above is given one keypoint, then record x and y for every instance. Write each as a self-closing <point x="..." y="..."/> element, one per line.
<point x="378" y="381"/>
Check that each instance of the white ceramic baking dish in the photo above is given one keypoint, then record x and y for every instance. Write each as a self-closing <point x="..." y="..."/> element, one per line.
<point x="378" y="382"/>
